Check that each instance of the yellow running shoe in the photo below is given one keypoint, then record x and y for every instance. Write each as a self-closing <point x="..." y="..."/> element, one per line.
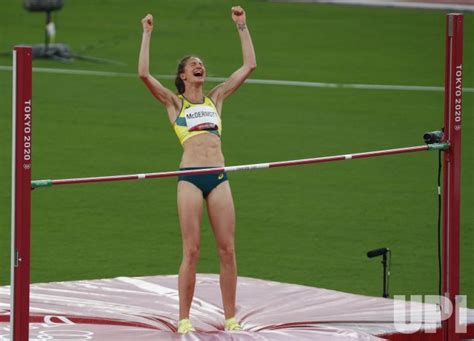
<point x="185" y="326"/>
<point x="232" y="324"/>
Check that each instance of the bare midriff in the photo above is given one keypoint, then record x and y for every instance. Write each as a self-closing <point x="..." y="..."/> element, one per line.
<point x="202" y="150"/>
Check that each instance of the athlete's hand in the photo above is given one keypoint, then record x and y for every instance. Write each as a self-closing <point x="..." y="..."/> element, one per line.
<point x="238" y="15"/>
<point x="147" y="23"/>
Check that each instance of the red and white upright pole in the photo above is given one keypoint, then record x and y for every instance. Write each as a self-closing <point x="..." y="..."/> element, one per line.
<point x="21" y="193"/>
<point x="452" y="169"/>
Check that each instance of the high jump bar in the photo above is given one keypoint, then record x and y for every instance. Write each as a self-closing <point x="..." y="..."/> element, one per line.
<point x="323" y="159"/>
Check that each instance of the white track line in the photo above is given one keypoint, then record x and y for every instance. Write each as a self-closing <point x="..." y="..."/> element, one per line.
<point x="249" y="81"/>
<point x="397" y="4"/>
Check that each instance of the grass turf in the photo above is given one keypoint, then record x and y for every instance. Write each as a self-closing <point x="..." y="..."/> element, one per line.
<point x="310" y="225"/>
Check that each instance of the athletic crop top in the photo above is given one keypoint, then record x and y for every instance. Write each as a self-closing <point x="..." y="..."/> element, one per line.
<point x="197" y="118"/>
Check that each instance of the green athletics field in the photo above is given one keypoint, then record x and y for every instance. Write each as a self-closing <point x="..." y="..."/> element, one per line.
<point x="309" y="225"/>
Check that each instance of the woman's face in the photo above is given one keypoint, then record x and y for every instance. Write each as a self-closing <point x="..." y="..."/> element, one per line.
<point x="194" y="71"/>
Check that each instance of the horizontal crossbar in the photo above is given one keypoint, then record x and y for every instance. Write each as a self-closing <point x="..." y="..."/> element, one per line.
<point x="323" y="159"/>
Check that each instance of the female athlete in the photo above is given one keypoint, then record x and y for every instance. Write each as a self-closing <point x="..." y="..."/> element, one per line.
<point x="196" y="119"/>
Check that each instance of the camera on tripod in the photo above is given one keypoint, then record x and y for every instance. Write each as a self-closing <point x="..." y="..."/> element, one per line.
<point x="433" y="137"/>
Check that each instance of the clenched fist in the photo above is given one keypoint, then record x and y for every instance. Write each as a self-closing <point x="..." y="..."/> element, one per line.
<point x="238" y="15"/>
<point x="147" y="23"/>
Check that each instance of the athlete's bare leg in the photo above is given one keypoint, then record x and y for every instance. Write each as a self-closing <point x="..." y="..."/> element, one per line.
<point x="190" y="203"/>
<point x="220" y="208"/>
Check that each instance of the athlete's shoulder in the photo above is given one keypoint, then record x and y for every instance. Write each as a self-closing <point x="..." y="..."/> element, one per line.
<point x="210" y="101"/>
<point x="216" y="89"/>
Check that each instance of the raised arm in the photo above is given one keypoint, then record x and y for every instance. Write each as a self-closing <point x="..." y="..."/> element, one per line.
<point x="220" y="92"/>
<point x="164" y="95"/>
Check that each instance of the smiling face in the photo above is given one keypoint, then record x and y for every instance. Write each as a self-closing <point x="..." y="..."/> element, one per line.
<point x="194" y="71"/>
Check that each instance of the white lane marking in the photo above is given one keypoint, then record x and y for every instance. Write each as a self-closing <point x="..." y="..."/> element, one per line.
<point x="396" y="4"/>
<point x="250" y="81"/>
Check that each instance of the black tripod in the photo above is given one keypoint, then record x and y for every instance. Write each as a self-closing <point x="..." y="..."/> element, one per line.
<point x="49" y="49"/>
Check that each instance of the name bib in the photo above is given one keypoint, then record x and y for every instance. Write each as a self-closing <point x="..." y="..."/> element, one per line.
<point x="201" y="117"/>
